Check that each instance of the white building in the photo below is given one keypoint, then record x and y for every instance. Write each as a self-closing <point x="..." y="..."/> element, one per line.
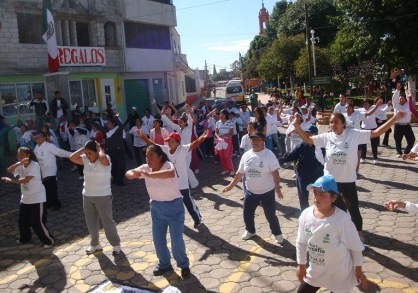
<point x="122" y="52"/>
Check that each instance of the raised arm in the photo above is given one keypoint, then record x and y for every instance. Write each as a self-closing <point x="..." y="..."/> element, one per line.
<point x="76" y="156"/>
<point x="142" y="136"/>
<point x="302" y="134"/>
<point x="412" y="108"/>
<point x="383" y="128"/>
<point x="199" y="140"/>
<point x="374" y="109"/>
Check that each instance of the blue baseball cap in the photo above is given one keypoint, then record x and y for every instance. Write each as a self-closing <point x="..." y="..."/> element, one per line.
<point x="312" y="130"/>
<point x="326" y="183"/>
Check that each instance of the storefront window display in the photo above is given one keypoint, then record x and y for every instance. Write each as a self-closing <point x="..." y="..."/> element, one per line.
<point x="82" y="93"/>
<point x="15" y="97"/>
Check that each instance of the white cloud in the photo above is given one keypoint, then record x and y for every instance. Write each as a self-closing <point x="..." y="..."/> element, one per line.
<point x="235" y="46"/>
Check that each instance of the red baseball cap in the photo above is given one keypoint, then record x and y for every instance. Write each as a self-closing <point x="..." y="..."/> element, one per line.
<point x="173" y="135"/>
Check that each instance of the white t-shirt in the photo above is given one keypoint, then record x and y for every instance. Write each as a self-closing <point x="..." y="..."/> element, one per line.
<point x="245" y="116"/>
<point x="138" y="142"/>
<point x="46" y="154"/>
<point x="334" y="250"/>
<point x="245" y="143"/>
<point x="414" y="148"/>
<point x="272" y="124"/>
<point x="178" y="159"/>
<point x="339" y="108"/>
<point x="354" y="120"/>
<point x="341" y="152"/>
<point x="224" y="127"/>
<point x="381" y="112"/>
<point x="96" y="178"/>
<point x="148" y="122"/>
<point x="369" y="122"/>
<point x="401" y="108"/>
<point x="412" y="208"/>
<point x="34" y="190"/>
<point x="161" y="189"/>
<point x="257" y="167"/>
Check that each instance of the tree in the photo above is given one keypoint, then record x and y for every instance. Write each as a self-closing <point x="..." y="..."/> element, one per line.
<point x="322" y="60"/>
<point x="383" y="29"/>
<point x="280" y="57"/>
<point x="214" y="72"/>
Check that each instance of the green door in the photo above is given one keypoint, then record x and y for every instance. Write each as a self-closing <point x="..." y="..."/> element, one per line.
<point x="136" y="94"/>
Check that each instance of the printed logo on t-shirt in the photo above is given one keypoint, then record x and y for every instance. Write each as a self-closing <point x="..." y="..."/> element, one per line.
<point x="316" y="254"/>
<point x="326" y="239"/>
<point x="261" y="165"/>
<point x="338" y="157"/>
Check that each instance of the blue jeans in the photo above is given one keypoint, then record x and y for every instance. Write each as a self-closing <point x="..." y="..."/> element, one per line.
<point x="268" y="201"/>
<point x="269" y="142"/>
<point x="164" y="215"/>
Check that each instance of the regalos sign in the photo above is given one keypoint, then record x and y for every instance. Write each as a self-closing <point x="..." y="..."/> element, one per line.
<point x="81" y="56"/>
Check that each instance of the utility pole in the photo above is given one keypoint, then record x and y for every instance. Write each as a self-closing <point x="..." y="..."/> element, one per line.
<point x="240" y="62"/>
<point x="307" y="48"/>
<point x="206" y="80"/>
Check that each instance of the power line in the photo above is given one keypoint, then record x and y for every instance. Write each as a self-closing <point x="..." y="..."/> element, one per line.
<point x="185" y="8"/>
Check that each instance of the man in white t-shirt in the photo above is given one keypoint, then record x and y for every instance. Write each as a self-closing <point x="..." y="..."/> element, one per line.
<point x="46" y="154"/>
<point x="340" y="107"/>
<point x="262" y="181"/>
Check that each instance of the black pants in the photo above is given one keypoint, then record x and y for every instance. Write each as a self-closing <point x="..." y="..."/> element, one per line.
<point x="34" y="215"/>
<point x="118" y="160"/>
<point x="349" y="201"/>
<point x="399" y="133"/>
<point x="139" y="155"/>
<point x="386" y="137"/>
<point x="51" y="189"/>
<point x="306" y="288"/>
<point x="374" y="143"/>
<point x="191" y="206"/>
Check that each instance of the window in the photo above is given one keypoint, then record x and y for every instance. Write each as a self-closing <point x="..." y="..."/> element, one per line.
<point x="29" y="28"/>
<point x="82" y="29"/>
<point x="110" y="34"/>
<point x="190" y="84"/>
<point x="147" y="36"/>
<point x="15" y="98"/>
<point x="82" y="93"/>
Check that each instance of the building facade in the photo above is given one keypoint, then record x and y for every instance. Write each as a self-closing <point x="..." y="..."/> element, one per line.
<point x="118" y="53"/>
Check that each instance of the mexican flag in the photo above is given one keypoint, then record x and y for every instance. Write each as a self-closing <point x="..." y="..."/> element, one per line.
<point x="50" y="36"/>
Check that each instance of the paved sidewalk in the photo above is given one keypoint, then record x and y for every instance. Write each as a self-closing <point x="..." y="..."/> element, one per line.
<point x="220" y="260"/>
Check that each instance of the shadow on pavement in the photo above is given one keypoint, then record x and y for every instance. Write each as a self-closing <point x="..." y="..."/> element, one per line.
<point x="384" y="242"/>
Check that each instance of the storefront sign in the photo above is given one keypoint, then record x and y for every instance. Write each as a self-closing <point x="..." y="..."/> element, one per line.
<point x="82" y="56"/>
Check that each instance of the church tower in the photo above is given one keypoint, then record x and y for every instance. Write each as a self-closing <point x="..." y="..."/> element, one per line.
<point x="263" y="18"/>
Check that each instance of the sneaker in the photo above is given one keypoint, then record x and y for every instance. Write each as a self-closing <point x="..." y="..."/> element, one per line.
<point x="159" y="272"/>
<point x="18" y="241"/>
<point x="197" y="171"/>
<point x="399" y="156"/>
<point x="362" y="161"/>
<point x="50" y="245"/>
<point x="232" y="173"/>
<point x="224" y="172"/>
<point x="92" y="249"/>
<point x="247" y="235"/>
<point x="116" y="250"/>
<point x="185" y="272"/>
<point x="279" y="238"/>
<point x="375" y="161"/>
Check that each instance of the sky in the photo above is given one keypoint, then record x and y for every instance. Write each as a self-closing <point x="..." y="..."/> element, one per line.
<point x="217" y="30"/>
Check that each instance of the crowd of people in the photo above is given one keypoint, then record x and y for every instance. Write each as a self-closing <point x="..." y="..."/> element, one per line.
<point x="167" y="149"/>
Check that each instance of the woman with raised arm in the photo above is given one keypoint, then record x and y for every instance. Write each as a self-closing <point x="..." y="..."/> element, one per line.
<point x="167" y="211"/>
<point x="341" y="146"/>
<point x="97" y="195"/>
